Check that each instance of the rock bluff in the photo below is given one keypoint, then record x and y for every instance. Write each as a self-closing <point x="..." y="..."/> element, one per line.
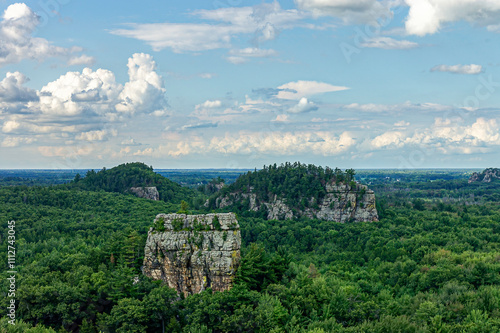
<point x="150" y="192"/>
<point x="341" y="203"/>
<point x="193" y="252"/>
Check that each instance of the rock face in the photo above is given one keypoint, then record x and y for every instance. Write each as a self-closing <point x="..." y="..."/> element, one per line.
<point x="342" y="203"/>
<point x="486" y="176"/>
<point x="146" y="192"/>
<point x="193" y="252"/>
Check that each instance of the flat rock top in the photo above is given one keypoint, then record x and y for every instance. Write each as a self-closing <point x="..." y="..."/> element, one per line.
<point x="214" y="221"/>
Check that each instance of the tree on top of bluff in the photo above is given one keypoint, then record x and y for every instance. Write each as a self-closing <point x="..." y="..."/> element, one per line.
<point x="294" y="182"/>
<point x="124" y="176"/>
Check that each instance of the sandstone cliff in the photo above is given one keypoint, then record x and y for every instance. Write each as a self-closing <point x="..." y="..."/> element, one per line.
<point x="150" y="192"/>
<point x="193" y="252"/>
<point x="486" y="176"/>
<point x="342" y="203"/>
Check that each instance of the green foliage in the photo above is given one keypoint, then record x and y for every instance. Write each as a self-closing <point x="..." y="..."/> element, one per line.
<point x="216" y="223"/>
<point x="121" y="178"/>
<point x="296" y="183"/>
<point x="258" y="269"/>
<point x="159" y="224"/>
<point x="432" y="264"/>
<point x="184" y="208"/>
<point x="178" y="224"/>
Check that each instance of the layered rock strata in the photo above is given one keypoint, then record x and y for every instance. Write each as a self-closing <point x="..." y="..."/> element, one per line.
<point x="342" y="203"/>
<point x="193" y="252"/>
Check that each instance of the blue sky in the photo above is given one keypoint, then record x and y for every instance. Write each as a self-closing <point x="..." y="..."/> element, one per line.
<point x="237" y="84"/>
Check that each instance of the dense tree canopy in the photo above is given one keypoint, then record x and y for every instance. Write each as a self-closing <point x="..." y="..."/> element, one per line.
<point x="295" y="183"/>
<point x="123" y="177"/>
<point x="432" y="264"/>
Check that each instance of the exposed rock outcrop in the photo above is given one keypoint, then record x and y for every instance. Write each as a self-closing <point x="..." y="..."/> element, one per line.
<point x="486" y="176"/>
<point x="193" y="252"/>
<point x="342" y="203"/>
<point x="146" y="192"/>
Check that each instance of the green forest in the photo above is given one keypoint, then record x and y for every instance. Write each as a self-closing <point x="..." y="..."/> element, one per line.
<point x="430" y="264"/>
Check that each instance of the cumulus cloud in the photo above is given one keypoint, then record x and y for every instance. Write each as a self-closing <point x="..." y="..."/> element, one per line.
<point x="16" y="33"/>
<point x="144" y="91"/>
<point x="12" y="90"/>
<point x="459" y="69"/>
<point x="349" y="11"/>
<point x="388" y="43"/>
<point x="209" y="104"/>
<point x="393" y="138"/>
<point x="445" y="136"/>
<point x="264" y="21"/>
<point x="98" y="135"/>
<point x="303" y="106"/>
<point x="10" y="126"/>
<point x="98" y="93"/>
<point x="79" y="106"/>
<point x="74" y="92"/>
<point x="299" y="89"/>
<point x="427" y="16"/>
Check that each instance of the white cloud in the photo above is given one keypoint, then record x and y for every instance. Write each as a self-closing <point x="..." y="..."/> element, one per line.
<point x="79" y="106"/>
<point x="299" y="89"/>
<point x="209" y="104"/>
<point x="303" y="106"/>
<point x="276" y="143"/>
<point x="397" y="108"/>
<point x="394" y="138"/>
<point x="207" y="75"/>
<point x="66" y="151"/>
<point x="427" y="16"/>
<point x="198" y="126"/>
<point x="130" y="142"/>
<point x="74" y="92"/>
<point x="282" y="118"/>
<point x="264" y="21"/>
<point x="13" y="94"/>
<point x="389" y="43"/>
<point x="81" y="60"/>
<point x="98" y="135"/>
<point x="446" y="136"/>
<point x="144" y="91"/>
<point x="15" y="141"/>
<point x="349" y="11"/>
<point x="241" y="56"/>
<point x="459" y="69"/>
<point x="10" y="126"/>
<point x="402" y="123"/>
<point x="236" y="60"/>
<point x="16" y="29"/>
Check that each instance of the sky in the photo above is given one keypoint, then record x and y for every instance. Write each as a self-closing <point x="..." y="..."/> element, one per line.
<point x="240" y="84"/>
